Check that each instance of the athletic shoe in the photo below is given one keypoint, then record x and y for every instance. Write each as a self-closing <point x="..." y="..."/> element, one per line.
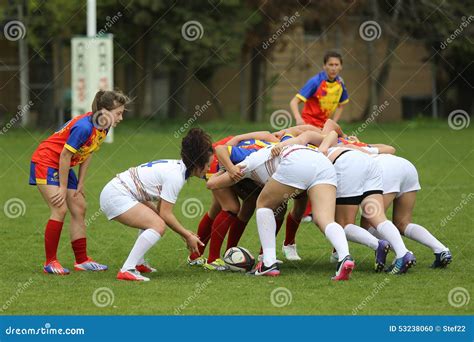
<point x="260" y="258"/>
<point x="132" y="275"/>
<point x="401" y="265"/>
<point x="442" y="259"/>
<point x="381" y="255"/>
<point x="262" y="270"/>
<point x="54" y="267"/>
<point x="307" y="219"/>
<point x="199" y="261"/>
<point x="90" y="265"/>
<point x="216" y="265"/>
<point x="334" y="258"/>
<point x="145" y="268"/>
<point x="344" y="269"/>
<point x="290" y="252"/>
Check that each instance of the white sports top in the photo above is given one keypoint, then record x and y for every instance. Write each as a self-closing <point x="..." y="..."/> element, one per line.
<point x="159" y="179"/>
<point x="261" y="165"/>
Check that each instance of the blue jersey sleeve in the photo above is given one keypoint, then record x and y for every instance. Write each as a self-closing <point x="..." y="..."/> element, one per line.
<point x="309" y="88"/>
<point x="77" y="137"/>
<point x="237" y="154"/>
<point x="344" y="96"/>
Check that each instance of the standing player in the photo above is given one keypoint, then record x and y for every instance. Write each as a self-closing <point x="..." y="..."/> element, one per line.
<point x="51" y="171"/>
<point x="128" y="199"/>
<point x="324" y="96"/>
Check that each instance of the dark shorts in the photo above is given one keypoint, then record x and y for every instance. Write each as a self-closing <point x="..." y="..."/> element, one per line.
<point x="356" y="200"/>
<point x="246" y="188"/>
<point x="41" y="174"/>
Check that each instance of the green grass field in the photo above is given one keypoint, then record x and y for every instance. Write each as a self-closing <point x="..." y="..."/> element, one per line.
<point x="445" y="161"/>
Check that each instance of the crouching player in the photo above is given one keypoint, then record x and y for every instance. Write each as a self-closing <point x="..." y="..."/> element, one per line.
<point x="51" y="171"/>
<point x="400" y="185"/>
<point x="127" y="199"/>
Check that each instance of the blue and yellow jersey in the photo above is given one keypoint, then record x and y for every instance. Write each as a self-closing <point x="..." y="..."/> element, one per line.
<point x="321" y="97"/>
<point x="78" y="135"/>
<point x="245" y="148"/>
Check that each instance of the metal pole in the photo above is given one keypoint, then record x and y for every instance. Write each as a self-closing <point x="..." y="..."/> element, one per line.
<point x="91" y="18"/>
<point x="24" y="75"/>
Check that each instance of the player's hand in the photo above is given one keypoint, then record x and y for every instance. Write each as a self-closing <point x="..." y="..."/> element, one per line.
<point x="299" y="121"/>
<point x="323" y="151"/>
<point x="235" y="173"/>
<point x="276" y="150"/>
<point x="79" y="191"/>
<point x="58" y="198"/>
<point x="193" y="242"/>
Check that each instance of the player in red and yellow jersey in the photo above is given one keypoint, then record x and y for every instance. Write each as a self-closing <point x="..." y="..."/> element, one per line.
<point x="52" y="172"/>
<point x="324" y="95"/>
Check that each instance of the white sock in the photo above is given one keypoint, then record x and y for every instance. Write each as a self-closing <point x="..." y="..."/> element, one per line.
<point x="360" y="235"/>
<point x="145" y="241"/>
<point x="389" y="232"/>
<point x="266" y="230"/>
<point x="142" y="259"/>
<point x="374" y="232"/>
<point x="422" y="235"/>
<point x="335" y="234"/>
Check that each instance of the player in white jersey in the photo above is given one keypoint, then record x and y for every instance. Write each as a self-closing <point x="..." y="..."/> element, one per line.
<point x="293" y="171"/>
<point x="128" y="199"/>
<point x="359" y="183"/>
<point x="400" y="185"/>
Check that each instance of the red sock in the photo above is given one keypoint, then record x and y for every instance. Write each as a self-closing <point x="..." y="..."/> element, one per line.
<point x="204" y="233"/>
<point x="291" y="229"/>
<point x="235" y="233"/>
<point x="79" y="247"/>
<point x="52" y="234"/>
<point x="220" y="227"/>
<point x="279" y="223"/>
<point x="307" y="212"/>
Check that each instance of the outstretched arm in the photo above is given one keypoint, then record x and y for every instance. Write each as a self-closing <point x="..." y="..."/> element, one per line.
<point x="329" y="141"/>
<point x="260" y="135"/>
<point x="219" y="181"/>
<point x="222" y="153"/>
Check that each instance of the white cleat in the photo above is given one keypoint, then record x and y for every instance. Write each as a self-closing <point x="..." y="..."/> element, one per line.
<point x="290" y="252"/>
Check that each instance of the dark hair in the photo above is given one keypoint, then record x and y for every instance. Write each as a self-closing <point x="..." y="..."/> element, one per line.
<point x="332" y="54"/>
<point x="109" y="99"/>
<point x="196" y="149"/>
